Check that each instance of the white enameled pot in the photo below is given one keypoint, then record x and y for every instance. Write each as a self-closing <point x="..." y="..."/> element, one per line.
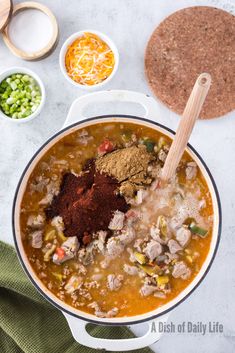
<point x="77" y="319"/>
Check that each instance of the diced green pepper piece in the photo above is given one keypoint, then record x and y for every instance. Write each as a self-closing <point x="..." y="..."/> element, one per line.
<point x="189" y="258"/>
<point x="195" y="229"/>
<point x="61" y="236"/>
<point x="140" y="258"/>
<point x="50" y="235"/>
<point x="150" y="270"/>
<point x="49" y="252"/>
<point x="162" y="225"/>
<point x="161" y="280"/>
<point x="149" y="145"/>
<point x="58" y="276"/>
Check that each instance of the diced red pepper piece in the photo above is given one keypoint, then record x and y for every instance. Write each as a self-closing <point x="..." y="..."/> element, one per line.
<point x="60" y="252"/>
<point x="106" y="146"/>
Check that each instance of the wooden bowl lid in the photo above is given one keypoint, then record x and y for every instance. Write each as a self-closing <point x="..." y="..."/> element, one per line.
<point x="5" y="13"/>
<point x="48" y="48"/>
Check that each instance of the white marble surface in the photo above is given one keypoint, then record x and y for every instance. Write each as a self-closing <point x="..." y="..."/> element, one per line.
<point x="130" y="23"/>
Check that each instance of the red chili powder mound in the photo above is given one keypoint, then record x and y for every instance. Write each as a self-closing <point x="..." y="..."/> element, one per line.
<point x="86" y="203"/>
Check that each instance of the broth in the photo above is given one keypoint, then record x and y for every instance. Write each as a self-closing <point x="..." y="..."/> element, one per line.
<point x="174" y="223"/>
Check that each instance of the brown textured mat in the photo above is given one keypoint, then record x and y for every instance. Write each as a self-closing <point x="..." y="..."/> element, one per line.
<point x="187" y="43"/>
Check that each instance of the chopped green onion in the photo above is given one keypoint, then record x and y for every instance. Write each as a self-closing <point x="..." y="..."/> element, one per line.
<point x="20" y="96"/>
<point x="149" y="145"/>
<point x="195" y="229"/>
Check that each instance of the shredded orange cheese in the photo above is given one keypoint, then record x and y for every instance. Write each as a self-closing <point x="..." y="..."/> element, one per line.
<point x="89" y="60"/>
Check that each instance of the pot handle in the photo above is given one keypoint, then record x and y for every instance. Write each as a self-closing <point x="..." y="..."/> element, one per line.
<point x="76" y="112"/>
<point x="80" y="334"/>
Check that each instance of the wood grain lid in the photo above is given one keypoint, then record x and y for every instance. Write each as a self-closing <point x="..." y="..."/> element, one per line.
<point x="5" y="13"/>
<point x="188" y="42"/>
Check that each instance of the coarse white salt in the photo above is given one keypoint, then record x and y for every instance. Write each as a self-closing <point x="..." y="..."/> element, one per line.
<point x="30" y="30"/>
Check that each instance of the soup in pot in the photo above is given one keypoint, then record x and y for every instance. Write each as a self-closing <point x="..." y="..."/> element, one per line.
<point x="102" y="234"/>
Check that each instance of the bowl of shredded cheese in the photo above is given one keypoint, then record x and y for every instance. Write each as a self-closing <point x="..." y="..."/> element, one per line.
<point x="89" y="59"/>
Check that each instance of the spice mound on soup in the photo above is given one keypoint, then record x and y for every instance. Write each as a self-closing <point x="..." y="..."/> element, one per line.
<point x="99" y="232"/>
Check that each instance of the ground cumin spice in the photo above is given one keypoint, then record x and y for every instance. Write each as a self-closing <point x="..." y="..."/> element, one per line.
<point x="124" y="163"/>
<point x="87" y="203"/>
<point x="129" y="166"/>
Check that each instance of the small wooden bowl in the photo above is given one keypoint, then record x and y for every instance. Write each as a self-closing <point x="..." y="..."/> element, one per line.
<point x="48" y="48"/>
<point x="5" y="13"/>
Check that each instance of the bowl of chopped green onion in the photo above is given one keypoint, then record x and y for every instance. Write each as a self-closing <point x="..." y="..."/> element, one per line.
<point x="22" y="94"/>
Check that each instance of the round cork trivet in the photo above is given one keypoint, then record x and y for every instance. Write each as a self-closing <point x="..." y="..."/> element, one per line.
<point x="187" y="43"/>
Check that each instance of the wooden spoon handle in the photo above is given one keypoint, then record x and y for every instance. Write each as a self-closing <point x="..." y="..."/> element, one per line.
<point x="187" y="121"/>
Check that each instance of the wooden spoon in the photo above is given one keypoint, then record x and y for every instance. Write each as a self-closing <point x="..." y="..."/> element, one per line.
<point x="187" y="121"/>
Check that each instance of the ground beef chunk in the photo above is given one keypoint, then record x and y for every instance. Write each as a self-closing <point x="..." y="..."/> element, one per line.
<point x="114" y="282"/>
<point x="191" y="170"/>
<point x="87" y="202"/>
<point x="183" y="236"/>
<point x="99" y="313"/>
<point x="117" y="221"/>
<point x="36" y="221"/>
<point x="58" y="223"/>
<point x="181" y="270"/>
<point x="73" y="284"/>
<point x="36" y="239"/>
<point x="153" y="249"/>
<point x="174" y="247"/>
<point x="147" y="290"/>
<point x="117" y="244"/>
<point x="70" y="247"/>
<point x="130" y="270"/>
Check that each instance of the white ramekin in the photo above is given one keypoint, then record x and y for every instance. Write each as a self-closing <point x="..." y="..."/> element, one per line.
<point x="70" y="40"/>
<point x="22" y="70"/>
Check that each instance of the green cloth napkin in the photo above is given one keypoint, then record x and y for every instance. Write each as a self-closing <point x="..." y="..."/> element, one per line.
<point x="30" y="324"/>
